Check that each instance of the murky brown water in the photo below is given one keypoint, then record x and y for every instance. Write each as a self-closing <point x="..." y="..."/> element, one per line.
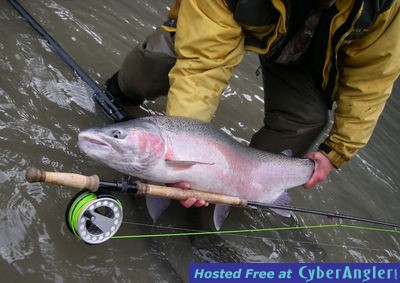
<point x="43" y="106"/>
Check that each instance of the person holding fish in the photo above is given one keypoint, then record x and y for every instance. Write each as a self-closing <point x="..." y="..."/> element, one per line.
<point x="315" y="55"/>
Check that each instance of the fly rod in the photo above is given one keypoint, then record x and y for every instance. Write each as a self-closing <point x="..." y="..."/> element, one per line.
<point x="93" y="183"/>
<point x="104" y="99"/>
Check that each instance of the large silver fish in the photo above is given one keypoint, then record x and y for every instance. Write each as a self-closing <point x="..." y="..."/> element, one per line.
<point x="165" y="149"/>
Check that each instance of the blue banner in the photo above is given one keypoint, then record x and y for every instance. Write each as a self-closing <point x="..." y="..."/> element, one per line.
<point x="294" y="272"/>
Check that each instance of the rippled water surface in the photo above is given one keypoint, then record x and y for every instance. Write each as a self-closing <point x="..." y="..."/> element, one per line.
<point x="43" y="106"/>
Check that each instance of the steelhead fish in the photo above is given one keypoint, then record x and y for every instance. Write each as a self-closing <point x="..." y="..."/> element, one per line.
<point x="165" y="149"/>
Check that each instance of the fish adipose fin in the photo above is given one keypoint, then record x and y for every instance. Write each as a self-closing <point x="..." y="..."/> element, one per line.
<point x="221" y="212"/>
<point x="181" y="164"/>
<point x="288" y="152"/>
<point x="156" y="206"/>
<point x="283" y="200"/>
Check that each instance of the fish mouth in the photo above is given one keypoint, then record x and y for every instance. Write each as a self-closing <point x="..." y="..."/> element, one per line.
<point x="89" y="140"/>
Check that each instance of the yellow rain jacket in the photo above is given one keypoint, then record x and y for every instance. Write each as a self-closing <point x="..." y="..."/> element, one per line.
<point x="359" y="61"/>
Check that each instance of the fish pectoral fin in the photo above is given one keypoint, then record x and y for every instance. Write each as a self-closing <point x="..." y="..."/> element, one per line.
<point x="156" y="206"/>
<point x="283" y="200"/>
<point x="221" y="212"/>
<point x="182" y="164"/>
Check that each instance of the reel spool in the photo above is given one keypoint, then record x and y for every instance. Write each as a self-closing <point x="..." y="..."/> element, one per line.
<point x="94" y="218"/>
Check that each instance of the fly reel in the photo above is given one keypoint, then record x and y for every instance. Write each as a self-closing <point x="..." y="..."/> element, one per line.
<point x="94" y="217"/>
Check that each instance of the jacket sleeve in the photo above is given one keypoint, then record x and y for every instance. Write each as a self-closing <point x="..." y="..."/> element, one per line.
<point x="208" y="45"/>
<point x="370" y="67"/>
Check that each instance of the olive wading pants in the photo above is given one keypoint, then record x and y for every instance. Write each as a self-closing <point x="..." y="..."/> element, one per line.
<point x="295" y="110"/>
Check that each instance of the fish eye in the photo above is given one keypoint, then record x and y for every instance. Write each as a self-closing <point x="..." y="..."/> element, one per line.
<point x="116" y="134"/>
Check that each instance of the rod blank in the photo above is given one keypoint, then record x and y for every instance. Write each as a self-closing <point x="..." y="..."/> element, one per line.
<point x="107" y="103"/>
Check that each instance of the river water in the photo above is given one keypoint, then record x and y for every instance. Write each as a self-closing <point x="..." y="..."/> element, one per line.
<point x="43" y="106"/>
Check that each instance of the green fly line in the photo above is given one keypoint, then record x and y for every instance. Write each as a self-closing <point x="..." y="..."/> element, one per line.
<point x="76" y="209"/>
<point x="79" y="205"/>
<point x="240" y="231"/>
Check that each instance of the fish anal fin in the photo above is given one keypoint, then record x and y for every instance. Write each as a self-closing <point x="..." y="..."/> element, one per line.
<point x="283" y="200"/>
<point x="221" y="212"/>
<point x="156" y="206"/>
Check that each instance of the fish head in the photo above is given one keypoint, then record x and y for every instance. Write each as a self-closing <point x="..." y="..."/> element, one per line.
<point x="131" y="147"/>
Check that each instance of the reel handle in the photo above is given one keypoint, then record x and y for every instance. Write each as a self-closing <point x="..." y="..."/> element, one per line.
<point x="64" y="179"/>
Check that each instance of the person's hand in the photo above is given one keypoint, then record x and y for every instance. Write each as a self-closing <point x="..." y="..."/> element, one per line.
<point x="321" y="171"/>
<point x="190" y="202"/>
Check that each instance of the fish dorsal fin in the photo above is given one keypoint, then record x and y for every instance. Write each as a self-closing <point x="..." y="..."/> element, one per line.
<point x="283" y="200"/>
<point x="221" y="212"/>
<point x="183" y="164"/>
<point x="156" y="206"/>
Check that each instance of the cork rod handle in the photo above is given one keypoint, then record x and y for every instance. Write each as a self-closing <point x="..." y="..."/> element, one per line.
<point x="92" y="183"/>
<point x="183" y="194"/>
<point x="64" y="179"/>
